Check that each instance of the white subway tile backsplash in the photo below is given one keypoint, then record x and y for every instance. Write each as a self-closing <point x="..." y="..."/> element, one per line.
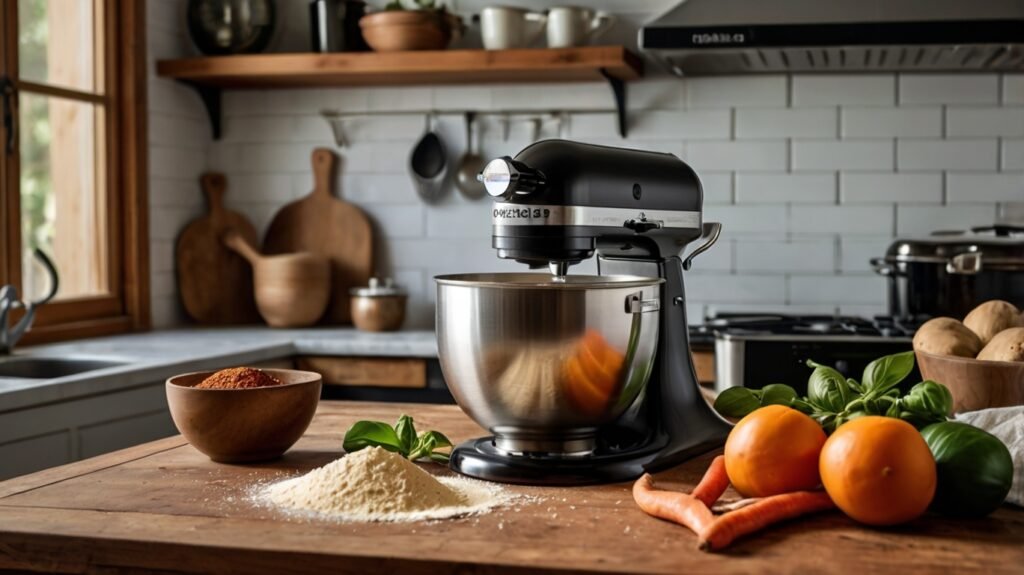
<point x="747" y="219"/>
<point x="786" y="123"/>
<point x="863" y="220"/>
<point x="717" y="187"/>
<point x="756" y="188"/>
<point x="907" y="122"/>
<point x="586" y="96"/>
<point x="923" y="220"/>
<point x="746" y="155"/>
<point x="853" y="155"/>
<point x="1013" y="89"/>
<point x="736" y="288"/>
<point x="927" y="155"/>
<point x="737" y="91"/>
<point x="782" y="257"/>
<point x="656" y="125"/>
<point x="377" y="188"/>
<point x="949" y="89"/>
<point x="838" y="290"/>
<point x="967" y="188"/>
<point x="1013" y="155"/>
<point x="855" y="254"/>
<point x="397" y="221"/>
<point x="875" y="188"/>
<point x="175" y="161"/>
<point x="843" y="89"/>
<point x="458" y="218"/>
<point x="979" y="122"/>
<point x="664" y="93"/>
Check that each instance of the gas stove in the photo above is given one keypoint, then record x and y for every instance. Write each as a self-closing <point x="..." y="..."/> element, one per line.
<point x="754" y="350"/>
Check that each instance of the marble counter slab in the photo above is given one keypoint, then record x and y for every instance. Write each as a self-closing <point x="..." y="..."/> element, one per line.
<point x="154" y="356"/>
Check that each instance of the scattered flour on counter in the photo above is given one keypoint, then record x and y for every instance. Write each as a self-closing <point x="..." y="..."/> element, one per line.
<point x="374" y="484"/>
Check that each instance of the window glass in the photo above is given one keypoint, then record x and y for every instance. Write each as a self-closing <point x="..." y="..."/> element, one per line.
<point x="58" y="43"/>
<point x="63" y="200"/>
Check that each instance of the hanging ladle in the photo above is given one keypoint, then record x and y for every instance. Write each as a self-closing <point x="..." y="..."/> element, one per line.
<point x="470" y="165"/>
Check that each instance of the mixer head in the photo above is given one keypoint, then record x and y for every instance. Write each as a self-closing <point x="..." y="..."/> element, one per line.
<point x="558" y="202"/>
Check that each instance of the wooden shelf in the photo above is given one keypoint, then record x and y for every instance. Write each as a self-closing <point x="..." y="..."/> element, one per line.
<point x="403" y="68"/>
<point x="210" y="75"/>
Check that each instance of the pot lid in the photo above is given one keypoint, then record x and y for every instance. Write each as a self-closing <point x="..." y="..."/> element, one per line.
<point x="378" y="288"/>
<point x="999" y="245"/>
<point x="544" y="280"/>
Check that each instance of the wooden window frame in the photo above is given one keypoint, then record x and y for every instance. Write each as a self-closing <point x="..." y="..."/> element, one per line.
<point x="127" y="307"/>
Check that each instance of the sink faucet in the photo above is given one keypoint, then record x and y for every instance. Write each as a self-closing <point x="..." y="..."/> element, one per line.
<point x="9" y="335"/>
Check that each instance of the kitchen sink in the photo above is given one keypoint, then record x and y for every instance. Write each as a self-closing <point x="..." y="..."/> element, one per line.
<point x="51" y="367"/>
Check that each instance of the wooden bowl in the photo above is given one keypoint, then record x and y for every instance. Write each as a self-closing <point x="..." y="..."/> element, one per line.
<point x="244" y="425"/>
<point x="292" y="290"/>
<point x="403" y="30"/>
<point x="975" y="384"/>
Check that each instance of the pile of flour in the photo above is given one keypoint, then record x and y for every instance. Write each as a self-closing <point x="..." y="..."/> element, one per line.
<point x="377" y="485"/>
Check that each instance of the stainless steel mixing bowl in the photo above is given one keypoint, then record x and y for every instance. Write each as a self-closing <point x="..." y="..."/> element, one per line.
<point x="541" y="361"/>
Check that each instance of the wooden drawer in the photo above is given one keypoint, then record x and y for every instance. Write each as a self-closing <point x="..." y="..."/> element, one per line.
<point x="704" y="365"/>
<point x="406" y="373"/>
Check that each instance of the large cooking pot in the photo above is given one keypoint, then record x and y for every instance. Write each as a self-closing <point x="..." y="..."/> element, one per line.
<point x="542" y="361"/>
<point x="949" y="273"/>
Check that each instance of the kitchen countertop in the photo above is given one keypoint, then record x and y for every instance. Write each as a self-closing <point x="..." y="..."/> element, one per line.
<point x="163" y="506"/>
<point x="157" y="355"/>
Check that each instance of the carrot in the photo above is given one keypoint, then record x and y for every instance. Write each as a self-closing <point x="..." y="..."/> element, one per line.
<point x="680" y="508"/>
<point x="727" y="528"/>
<point x="714" y="483"/>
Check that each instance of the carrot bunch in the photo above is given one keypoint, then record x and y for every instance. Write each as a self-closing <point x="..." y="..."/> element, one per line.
<point x="693" y="510"/>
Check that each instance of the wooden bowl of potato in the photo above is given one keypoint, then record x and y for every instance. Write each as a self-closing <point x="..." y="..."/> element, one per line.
<point x="980" y="360"/>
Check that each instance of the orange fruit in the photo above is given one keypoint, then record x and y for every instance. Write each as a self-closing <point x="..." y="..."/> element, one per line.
<point x="878" y="470"/>
<point x="773" y="450"/>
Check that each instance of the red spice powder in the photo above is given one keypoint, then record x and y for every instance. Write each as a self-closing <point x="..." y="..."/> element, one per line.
<point x="239" y="378"/>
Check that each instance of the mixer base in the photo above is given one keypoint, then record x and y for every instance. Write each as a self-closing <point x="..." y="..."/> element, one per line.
<point x="479" y="458"/>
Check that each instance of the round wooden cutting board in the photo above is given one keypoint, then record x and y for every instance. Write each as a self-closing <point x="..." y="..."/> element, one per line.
<point x="322" y="224"/>
<point x="215" y="283"/>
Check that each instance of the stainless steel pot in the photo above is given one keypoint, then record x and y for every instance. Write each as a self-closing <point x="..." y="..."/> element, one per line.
<point x="948" y="274"/>
<point x="541" y="363"/>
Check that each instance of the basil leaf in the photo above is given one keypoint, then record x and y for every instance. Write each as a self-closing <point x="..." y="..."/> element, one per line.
<point x="736" y="402"/>
<point x="827" y="389"/>
<point x="406" y="432"/>
<point x="777" y="394"/>
<point x="439" y="439"/>
<point x="365" y="434"/>
<point x="886" y="372"/>
<point x="428" y="443"/>
<point x="439" y="457"/>
<point x="802" y="406"/>
<point x="929" y="398"/>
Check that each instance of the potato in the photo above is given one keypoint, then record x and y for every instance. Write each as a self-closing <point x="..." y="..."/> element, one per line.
<point x="992" y="317"/>
<point x="946" y="336"/>
<point x="1007" y="345"/>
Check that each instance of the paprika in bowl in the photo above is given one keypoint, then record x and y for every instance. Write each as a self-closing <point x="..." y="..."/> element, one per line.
<point x="243" y="415"/>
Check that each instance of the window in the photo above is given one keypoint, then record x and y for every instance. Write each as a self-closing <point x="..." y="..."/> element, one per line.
<point x="73" y="180"/>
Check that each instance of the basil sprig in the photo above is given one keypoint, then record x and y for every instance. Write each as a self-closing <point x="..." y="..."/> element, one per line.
<point x="832" y="399"/>
<point x="401" y="439"/>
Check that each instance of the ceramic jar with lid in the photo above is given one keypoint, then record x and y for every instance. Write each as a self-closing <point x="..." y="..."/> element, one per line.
<point x="379" y="306"/>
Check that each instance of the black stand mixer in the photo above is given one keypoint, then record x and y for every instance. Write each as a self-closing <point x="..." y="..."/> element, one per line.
<point x="558" y="203"/>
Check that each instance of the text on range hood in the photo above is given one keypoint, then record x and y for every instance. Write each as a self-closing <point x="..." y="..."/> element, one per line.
<point x="700" y="37"/>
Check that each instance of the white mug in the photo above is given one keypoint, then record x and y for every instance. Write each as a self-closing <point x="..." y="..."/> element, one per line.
<point x="504" y="28"/>
<point x="570" y="26"/>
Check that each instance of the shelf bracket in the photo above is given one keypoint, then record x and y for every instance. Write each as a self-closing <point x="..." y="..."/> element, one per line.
<point x="619" y="93"/>
<point x="211" y="101"/>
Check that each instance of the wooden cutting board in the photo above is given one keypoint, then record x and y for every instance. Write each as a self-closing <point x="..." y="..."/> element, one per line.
<point x="322" y="224"/>
<point x="215" y="283"/>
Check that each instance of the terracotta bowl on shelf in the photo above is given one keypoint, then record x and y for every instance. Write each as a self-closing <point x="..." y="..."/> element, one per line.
<point x="975" y="384"/>
<point x="403" y="30"/>
<point x="244" y="425"/>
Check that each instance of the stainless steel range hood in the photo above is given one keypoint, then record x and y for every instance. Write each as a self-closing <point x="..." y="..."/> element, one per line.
<point x="700" y="37"/>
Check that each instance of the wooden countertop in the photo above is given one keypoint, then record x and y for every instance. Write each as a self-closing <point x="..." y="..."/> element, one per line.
<point x="163" y="506"/>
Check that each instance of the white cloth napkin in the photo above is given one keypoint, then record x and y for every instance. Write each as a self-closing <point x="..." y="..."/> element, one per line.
<point x="1006" y="423"/>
